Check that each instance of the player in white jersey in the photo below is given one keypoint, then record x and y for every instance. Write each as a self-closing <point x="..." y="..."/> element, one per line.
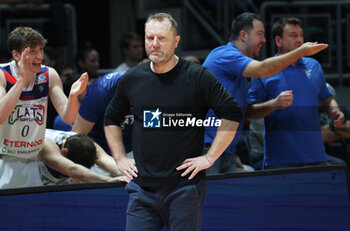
<point x="25" y="85"/>
<point x="70" y="155"/>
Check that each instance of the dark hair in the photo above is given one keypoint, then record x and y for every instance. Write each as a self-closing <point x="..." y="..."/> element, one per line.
<point x="22" y="37"/>
<point x="82" y="55"/>
<point x="243" y="21"/>
<point x="81" y="150"/>
<point x="277" y="28"/>
<point x="126" y="39"/>
<point x="160" y="17"/>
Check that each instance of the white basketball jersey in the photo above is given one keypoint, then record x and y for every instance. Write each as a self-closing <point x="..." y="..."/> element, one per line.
<point x="22" y="135"/>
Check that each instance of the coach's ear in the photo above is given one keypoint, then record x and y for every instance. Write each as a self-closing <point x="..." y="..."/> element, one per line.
<point x="278" y="41"/>
<point x="64" y="152"/>
<point x="243" y="36"/>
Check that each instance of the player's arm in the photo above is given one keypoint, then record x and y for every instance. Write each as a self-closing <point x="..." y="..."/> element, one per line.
<point x="274" y="65"/>
<point x="106" y="162"/>
<point x="52" y="156"/>
<point x="261" y="110"/>
<point x="82" y="126"/>
<point x="8" y="100"/>
<point x="66" y="108"/>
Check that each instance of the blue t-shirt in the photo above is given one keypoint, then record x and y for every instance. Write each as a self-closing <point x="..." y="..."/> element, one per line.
<point x="93" y="107"/>
<point x="293" y="135"/>
<point x="59" y="124"/>
<point x="227" y="63"/>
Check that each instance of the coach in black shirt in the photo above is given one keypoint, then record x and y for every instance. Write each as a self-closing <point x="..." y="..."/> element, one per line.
<point x="169" y="98"/>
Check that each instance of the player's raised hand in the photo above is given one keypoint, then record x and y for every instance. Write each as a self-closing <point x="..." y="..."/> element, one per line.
<point x="80" y="85"/>
<point x="23" y="67"/>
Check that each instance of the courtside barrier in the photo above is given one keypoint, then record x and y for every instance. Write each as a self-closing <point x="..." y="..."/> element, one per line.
<point x="310" y="198"/>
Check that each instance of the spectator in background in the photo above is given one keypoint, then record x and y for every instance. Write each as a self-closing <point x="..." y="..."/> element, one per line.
<point x="336" y="140"/>
<point x="233" y="63"/>
<point x="66" y="73"/>
<point x="132" y="49"/>
<point x="50" y="57"/>
<point x="88" y="60"/>
<point x="289" y="102"/>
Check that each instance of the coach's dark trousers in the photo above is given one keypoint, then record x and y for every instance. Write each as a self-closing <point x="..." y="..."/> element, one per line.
<point x="178" y="208"/>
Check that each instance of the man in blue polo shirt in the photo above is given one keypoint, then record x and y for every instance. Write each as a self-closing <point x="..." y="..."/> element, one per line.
<point x="91" y="112"/>
<point x="233" y="62"/>
<point x="289" y="102"/>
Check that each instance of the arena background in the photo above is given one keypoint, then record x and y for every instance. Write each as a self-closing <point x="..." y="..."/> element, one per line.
<point x="297" y="199"/>
<point x="204" y="24"/>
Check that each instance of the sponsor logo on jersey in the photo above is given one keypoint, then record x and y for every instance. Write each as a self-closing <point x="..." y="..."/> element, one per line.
<point x="27" y="113"/>
<point x="10" y="146"/>
<point x="21" y="144"/>
<point x="308" y="73"/>
<point x="41" y="79"/>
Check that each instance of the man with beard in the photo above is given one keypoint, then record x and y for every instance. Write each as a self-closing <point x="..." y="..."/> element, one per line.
<point x="289" y="102"/>
<point x="168" y="186"/>
<point x="233" y="63"/>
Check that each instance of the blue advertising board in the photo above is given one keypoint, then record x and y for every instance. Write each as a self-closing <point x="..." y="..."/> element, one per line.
<point x="314" y="198"/>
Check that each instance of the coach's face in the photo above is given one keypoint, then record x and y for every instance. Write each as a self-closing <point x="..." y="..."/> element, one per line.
<point x="255" y="39"/>
<point x="292" y="38"/>
<point x="160" y="41"/>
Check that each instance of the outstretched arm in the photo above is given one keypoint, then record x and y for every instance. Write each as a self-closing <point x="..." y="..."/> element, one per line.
<point x="106" y="162"/>
<point x="66" y="108"/>
<point x="224" y="136"/>
<point x="274" y="65"/>
<point x="51" y="155"/>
